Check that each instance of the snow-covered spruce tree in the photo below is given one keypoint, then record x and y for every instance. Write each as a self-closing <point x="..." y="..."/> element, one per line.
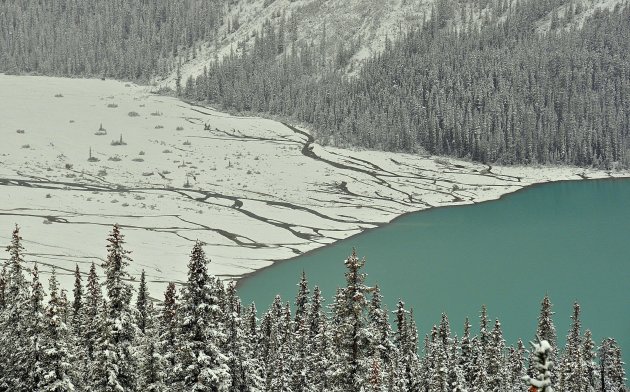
<point x="497" y="370"/>
<point x="572" y="367"/>
<point x="590" y="369"/>
<point x="141" y="304"/>
<point x="57" y="351"/>
<point x="542" y="381"/>
<point x="93" y="301"/>
<point x="3" y="288"/>
<point x="120" y="316"/>
<point x="243" y="369"/>
<point x="152" y="372"/>
<point x="320" y="350"/>
<point x="301" y="302"/>
<point x="35" y="324"/>
<point x="516" y="368"/>
<point x="77" y="303"/>
<point x="351" y="332"/>
<point x="104" y="369"/>
<point x="299" y="363"/>
<point x="167" y="331"/>
<point x="466" y="358"/>
<point x="256" y="372"/>
<point x="15" y="343"/>
<point x="153" y="365"/>
<point x="479" y="368"/>
<point x="413" y="361"/>
<point x="268" y="331"/>
<point x="406" y="358"/>
<point x="484" y="334"/>
<point x="64" y="306"/>
<point x="439" y="356"/>
<point x="546" y="330"/>
<point x="384" y="352"/>
<point x="376" y="378"/>
<point x="612" y="377"/>
<point x="201" y="366"/>
<point x="456" y="381"/>
<point x="280" y="368"/>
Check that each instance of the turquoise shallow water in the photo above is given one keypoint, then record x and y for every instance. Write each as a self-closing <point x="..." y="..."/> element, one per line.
<point x="568" y="239"/>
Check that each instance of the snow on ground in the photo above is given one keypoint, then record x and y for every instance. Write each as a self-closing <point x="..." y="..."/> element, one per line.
<point x="254" y="190"/>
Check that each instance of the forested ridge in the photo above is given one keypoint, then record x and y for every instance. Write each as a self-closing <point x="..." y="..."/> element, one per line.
<point x="505" y="81"/>
<point x="112" y="337"/>
<point x="120" y="39"/>
<point x="487" y="81"/>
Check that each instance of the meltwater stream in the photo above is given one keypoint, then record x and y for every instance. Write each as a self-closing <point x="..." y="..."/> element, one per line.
<point x="568" y="239"/>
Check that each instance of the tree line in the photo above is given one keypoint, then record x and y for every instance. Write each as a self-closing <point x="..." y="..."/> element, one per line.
<point x="131" y="40"/>
<point x="201" y="338"/>
<point x="505" y="81"/>
<point x="483" y="80"/>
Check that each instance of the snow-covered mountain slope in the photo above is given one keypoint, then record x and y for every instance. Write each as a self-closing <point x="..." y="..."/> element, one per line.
<point x="254" y="190"/>
<point x="361" y="25"/>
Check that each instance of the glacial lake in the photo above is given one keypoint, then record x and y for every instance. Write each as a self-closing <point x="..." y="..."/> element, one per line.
<point x="568" y="239"/>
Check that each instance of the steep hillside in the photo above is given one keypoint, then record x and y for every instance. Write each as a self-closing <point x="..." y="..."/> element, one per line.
<point x="354" y="30"/>
<point x="347" y="32"/>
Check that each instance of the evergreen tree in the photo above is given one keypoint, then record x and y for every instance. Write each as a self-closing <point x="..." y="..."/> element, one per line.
<point x="57" y="353"/>
<point x="201" y="365"/>
<point x="93" y="302"/>
<point x="546" y="330"/>
<point x="3" y="288"/>
<point x="350" y="329"/>
<point x="516" y="364"/>
<point x="15" y="357"/>
<point x="300" y="365"/>
<point x="32" y="360"/>
<point x="168" y="330"/>
<point x="497" y="372"/>
<point x="77" y="302"/>
<point x="104" y="371"/>
<point x="320" y="350"/>
<point x="385" y="353"/>
<point x="141" y="304"/>
<point x="590" y="369"/>
<point x="122" y="326"/>
<point x="153" y="364"/>
<point x="611" y="371"/>
<point x="466" y="362"/>
<point x="573" y="367"/>
<point x="542" y="381"/>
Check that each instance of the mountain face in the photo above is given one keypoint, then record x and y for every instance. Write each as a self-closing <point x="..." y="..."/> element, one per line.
<point x="494" y="81"/>
<point x="355" y="30"/>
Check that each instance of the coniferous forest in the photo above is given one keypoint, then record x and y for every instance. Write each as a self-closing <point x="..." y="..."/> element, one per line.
<point x="117" y="39"/>
<point x="484" y="82"/>
<point x="109" y="336"/>
<point x="495" y="81"/>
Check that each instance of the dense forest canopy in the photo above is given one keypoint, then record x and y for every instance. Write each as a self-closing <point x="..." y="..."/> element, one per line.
<point x="489" y="86"/>
<point x="110" y="336"/>
<point x="119" y="39"/>
<point x="505" y="81"/>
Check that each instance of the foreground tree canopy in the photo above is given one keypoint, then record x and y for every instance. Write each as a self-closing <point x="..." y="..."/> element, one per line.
<point x="204" y="339"/>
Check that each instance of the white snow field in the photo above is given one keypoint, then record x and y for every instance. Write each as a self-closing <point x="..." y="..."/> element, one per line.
<point x="254" y="190"/>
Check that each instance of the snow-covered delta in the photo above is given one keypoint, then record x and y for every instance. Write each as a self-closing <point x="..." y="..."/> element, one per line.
<point x="78" y="155"/>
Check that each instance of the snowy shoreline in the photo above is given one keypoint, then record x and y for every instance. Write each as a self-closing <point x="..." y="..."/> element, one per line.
<point x="171" y="181"/>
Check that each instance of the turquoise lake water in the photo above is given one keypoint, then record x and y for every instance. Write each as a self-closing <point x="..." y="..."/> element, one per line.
<point x="568" y="239"/>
